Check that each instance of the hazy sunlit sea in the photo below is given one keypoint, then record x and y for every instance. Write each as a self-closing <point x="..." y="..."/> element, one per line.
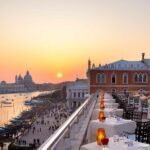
<point x="10" y="111"/>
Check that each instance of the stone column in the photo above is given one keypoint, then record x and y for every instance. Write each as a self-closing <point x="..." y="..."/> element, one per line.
<point x="68" y="93"/>
<point x="76" y="103"/>
<point x="72" y="94"/>
<point x="68" y="105"/>
<point x="148" y="112"/>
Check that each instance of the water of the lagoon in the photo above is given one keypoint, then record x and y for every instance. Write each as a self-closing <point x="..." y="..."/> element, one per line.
<point x="17" y="99"/>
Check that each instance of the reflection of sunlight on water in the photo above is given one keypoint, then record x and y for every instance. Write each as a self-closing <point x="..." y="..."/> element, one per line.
<point x="7" y="113"/>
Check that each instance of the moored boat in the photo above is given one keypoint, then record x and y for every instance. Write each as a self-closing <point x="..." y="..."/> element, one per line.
<point x="27" y="102"/>
<point x="6" y="104"/>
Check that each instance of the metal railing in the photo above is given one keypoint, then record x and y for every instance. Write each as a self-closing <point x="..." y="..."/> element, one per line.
<point x="54" y="139"/>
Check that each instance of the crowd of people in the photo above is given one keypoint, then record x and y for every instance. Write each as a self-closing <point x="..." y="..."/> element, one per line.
<point x="45" y="124"/>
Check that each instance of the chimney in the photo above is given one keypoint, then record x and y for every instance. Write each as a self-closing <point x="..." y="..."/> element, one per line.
<point x="143" y="56"/>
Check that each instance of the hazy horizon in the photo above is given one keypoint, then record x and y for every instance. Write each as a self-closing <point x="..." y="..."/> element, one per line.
<point x="53" y="38"/>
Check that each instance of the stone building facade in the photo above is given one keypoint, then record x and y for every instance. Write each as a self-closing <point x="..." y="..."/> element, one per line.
<point x="120" y="76"/>
<point x="21" y="84"/>
<point x="76" y="92"/>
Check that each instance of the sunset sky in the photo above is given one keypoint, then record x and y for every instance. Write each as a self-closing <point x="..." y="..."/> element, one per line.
<point x="53" y="37"/>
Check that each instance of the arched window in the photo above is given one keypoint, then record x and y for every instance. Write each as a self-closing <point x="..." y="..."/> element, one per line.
<point x="78" y="94"/>
<point x="82" y="94"/>
<point x="100" y="78"/>
<point x="145" y="77"/>
<point x="74" y="94"/>
<point x="125" y="78"/>
<point x="113" y="78"/>
<point x="136" y="78"/>
<point x="140" y="77"/>
<point x="103" y="78"/>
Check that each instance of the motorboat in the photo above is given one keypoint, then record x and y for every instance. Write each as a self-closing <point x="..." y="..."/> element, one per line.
<point x="33" y="102"/>
<point x="6" y="104"/>
<point x="28" y="102"/>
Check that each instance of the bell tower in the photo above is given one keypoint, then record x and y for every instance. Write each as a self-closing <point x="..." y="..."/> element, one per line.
<point x="88" y="74"/>
<point x="89" y="64"/>
<point x="143" y="57"/>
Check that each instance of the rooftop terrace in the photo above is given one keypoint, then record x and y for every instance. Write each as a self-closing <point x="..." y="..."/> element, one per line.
<point x="79" y="130"/>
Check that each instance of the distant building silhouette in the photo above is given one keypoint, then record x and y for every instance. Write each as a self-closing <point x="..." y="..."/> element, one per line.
<point x="26" y="80"/>
<point x="21" y="84"/>
<point x="76" y="92"/>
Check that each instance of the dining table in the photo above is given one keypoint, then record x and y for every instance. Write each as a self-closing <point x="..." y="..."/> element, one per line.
<point x="121" y="144"/>
<point x="108" y="100"/>
<point x="107" y="105"/>
<point x="107" y="95"/>
<point x="108" y="113"/>
<point x="112" y="126"/>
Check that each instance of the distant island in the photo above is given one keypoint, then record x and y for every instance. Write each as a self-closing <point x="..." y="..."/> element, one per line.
<point x="26" y="84"/>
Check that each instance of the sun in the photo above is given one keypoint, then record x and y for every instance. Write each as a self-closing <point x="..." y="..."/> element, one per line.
<point x="59" y="75"/>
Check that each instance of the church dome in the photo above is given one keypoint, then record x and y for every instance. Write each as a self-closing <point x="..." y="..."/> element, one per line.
<point x="20" y="78"/>
<point x="3" y="83"/>
<point x="28" y="77"/>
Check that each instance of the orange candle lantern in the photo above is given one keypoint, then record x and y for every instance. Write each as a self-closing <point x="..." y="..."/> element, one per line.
<point x="101" y="98"/>
<point x="101" y="116"/>
<point x="100" y="135"/>
<point x="102" y="106"/>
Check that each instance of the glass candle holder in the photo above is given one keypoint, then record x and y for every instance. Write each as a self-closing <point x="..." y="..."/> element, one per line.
<point x="101" y="100"/>
<point x="102" y="96"/>
<point x="102" y="116"/>
<point x="100" y="135"/>
<point x="105" y="141"/>
<point x="102" y="106"/>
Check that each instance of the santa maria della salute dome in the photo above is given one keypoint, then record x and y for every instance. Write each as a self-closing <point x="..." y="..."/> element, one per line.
<point x="26" y="80"/>
<point x="22" y="84"/>
<point x="28" y="77"/>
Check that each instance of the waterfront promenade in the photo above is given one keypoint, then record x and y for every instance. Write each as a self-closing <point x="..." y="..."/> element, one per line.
<point x="44" y="126"/>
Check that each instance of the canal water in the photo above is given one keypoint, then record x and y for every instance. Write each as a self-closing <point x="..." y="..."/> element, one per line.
<point x="11" y="105"/>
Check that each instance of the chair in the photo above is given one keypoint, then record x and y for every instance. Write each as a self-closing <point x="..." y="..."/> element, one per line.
<point x="142" y="132"/>
<point x="137" y="116"/>
<point x="144" y="107"/>
<point x="122" y="104"/>
<point x="148" y="132"/>
<point x="131" y="101"/>
<point x="136" y="103"/>
<point x="128" y="112"/>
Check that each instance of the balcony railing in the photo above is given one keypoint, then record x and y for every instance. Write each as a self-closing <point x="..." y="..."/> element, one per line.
<point x="63" y="130"/>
